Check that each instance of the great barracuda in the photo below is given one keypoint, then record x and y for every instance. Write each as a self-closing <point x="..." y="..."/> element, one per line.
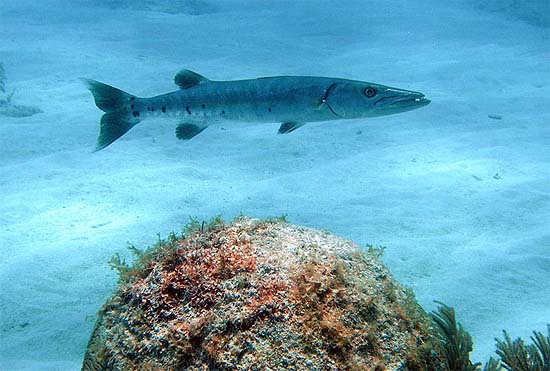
<point x="289" y="100"/>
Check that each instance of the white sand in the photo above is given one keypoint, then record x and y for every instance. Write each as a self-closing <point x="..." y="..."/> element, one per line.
<point x="423" y="183"/>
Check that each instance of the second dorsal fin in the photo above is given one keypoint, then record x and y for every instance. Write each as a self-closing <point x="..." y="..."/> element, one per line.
<point x="186" y="79"/>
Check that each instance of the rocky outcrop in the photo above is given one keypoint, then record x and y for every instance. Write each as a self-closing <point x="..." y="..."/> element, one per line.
<point x="260" y="295"/>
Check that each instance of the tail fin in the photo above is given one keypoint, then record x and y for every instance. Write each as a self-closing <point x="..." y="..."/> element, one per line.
<point x="107" y="98"/>
<point x="116" y="121"/>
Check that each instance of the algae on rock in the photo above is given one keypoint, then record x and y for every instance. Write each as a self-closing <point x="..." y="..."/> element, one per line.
<point x="261" y="295"/>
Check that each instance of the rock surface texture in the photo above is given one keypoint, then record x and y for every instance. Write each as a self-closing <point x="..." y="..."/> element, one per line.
<point x="260" y="295"/>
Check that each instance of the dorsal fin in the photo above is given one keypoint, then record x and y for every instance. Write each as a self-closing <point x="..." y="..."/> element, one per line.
<point x="186" y="79"/>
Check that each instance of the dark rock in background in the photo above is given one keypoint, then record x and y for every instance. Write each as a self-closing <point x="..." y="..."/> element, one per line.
<point x="7" y="108"/>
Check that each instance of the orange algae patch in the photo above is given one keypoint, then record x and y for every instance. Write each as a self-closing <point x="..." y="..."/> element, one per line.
<point x="257" y="295"/>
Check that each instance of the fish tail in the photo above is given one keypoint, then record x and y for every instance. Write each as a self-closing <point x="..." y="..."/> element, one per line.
<point x="115" y="103"/>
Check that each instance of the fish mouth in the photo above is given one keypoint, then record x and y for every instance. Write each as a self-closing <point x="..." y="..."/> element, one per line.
<point x="403" y="101"/>
<point x="411" y="102"/>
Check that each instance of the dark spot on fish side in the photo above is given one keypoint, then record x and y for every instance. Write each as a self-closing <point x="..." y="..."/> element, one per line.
<point x="187" y="109"/>
<point x="135" y="113"/>
<point x="132" y="106"/>
<point x="269" y="109"/>
<point x="223" y="112"/>
<point x="132" y="98"/>
<point x="152" y="109"/>
<point x="163" y="109"/>
<point x="203" y="106"/>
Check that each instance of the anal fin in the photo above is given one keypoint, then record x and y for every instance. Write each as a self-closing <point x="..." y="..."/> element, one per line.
<point x="289" y="127"/>
<point x="187" y="131"/>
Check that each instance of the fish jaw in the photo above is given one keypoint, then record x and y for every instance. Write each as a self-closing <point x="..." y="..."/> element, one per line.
<point x="398" y="100"/>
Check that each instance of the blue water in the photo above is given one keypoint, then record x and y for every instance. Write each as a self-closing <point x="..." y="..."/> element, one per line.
<point x="458" y="191"/>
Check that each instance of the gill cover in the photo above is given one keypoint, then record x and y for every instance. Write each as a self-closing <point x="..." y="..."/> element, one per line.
<point x="347" y="99"/>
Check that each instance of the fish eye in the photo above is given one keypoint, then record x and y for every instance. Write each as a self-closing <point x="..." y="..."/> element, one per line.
<point x="370" y="92"/>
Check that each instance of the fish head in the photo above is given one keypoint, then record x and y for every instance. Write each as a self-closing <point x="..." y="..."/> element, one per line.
<point x="355" y="99"/>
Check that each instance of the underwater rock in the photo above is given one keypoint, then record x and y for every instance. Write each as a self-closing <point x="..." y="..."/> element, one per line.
<point x="188" y="7"/>
<point x="2" y="79"/>
<point x="13" y="110"/>
<point x="260" y="295"/>
<point x="534" y="12"/>
<point x="7" y="108"/>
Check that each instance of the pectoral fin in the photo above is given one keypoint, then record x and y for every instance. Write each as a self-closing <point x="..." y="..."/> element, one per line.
<point x="187" y="131"/>
<point x="289" y="127"/>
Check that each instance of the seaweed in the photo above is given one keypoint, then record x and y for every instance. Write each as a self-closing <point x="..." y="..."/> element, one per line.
<point x="515" y="355"/>
<point x="7" y="108"/>
<point x="143" y="259"/>
<point x="193" y="225"/>
<point x="214" y="224"/>
<point x="518" y="356"/>
<point x="492" y="365"/>
<point x="376" y="251"/>
<point x="455" y="341"/>
<point x="283" y="218"/>
<point x="542" y="344"/>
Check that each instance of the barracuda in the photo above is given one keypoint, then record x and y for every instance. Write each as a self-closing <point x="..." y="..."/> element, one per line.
<point x="289" y="100"/>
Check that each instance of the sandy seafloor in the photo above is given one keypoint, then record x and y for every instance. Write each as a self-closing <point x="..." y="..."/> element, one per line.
<point x="461" y="201"/>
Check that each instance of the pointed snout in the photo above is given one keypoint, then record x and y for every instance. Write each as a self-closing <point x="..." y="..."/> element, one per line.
<point x="414" y="97"/>
<point x="401" y="100"/>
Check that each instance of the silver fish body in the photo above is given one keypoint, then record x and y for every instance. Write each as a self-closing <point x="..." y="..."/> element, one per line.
<point x="289" y="100"/>
<point x="276" y="99"/>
